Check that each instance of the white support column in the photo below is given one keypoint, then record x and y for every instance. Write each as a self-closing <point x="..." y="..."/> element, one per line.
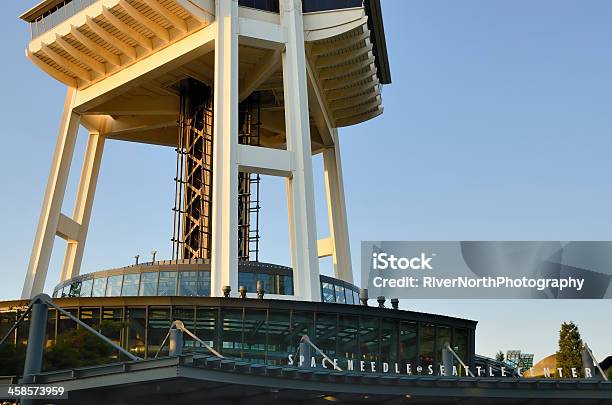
<point x="54" y="197"/>
<point x="336" y="208"/>
<point x="300" y="187"/>
<point x="224" y="265"/>
<point x="83" y="205"/>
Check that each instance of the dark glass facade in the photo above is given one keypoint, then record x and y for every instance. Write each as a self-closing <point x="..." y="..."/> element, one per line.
<point x="266" y="331"/>
<point x="187" y="280"/>
<point x="308" y="6"/>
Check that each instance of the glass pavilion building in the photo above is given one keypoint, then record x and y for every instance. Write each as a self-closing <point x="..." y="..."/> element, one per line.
<point x="158" y="55"/>
<point x="144" y="300"/>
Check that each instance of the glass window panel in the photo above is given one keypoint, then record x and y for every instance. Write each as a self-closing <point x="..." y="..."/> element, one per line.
<point x="356" y="298"/>
<point x="408" y="346"/>
<point x="65" y="291"/>
<point x="113" y="287"/>
<point x="75" y="289"/>
<point x="86" y="287"/>
<point x="50" y="332"/>
<point x="349" y="296"/>
<point x="24" y="328"/>
<point x="340" y="299"/>
<point x="268" y="283"/>
<point x="203" y="284"/>
<point x="326" y="331"/>
<point x="148" y="284"/>
<point x="460" y="346"/>
<point x="206" y="322"/>
<point x="187" y="316"/>
<point x="255" y="327"/>
<point x="369" y="340"/>
<point x="389" y="334"/>
<point x="348" y="338"/>
<point x="426" y="345"/>
<point x="443" y="336"/>
<point x="131" y="283"/>
<point x="91" y="316"/>
<point x="137" y="322"/>
<point x="286" y="285"/>
<point x="247" y="280"/>
<point x="267" y="5"/>
<point x="65" y="324"/>
<point x="302" y="323"/>
<point x="278" y="337"/>
<point x="112" y="324"/>
<point x="99" y="287"/>
<point x="7" y="320"/>
<point x="167" y="283"/>
<point x="159" y="324"/>
<point x="327" y="289"/>
<point x="309" y="6"/>
<point x="187" y="283"/>
<point x="232" y="333"/>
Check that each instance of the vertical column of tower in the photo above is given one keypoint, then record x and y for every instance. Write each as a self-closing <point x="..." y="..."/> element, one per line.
<point x="336" y="208"/>
<point x="248" y="183"/>
<point x="84" y="205"/>
<point x="224" y="264"/>
<point x="300" y="186"/>
<point x="54" y="197"/>
<point x="193" y="208"/>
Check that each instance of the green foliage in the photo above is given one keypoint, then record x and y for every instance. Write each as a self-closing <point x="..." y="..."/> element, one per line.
<point x="610" y="374"/>
<point x="11" y="359"/>
<point x="499" y="356"/>
<point x="570" y="346"/>
<point x="79" y="348"/>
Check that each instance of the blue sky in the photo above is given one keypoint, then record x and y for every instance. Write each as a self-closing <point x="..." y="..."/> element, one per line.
<point x="496" y="127"/>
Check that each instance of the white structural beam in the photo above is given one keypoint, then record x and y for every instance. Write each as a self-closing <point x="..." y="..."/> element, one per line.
<point x="83" y="206"/>
<point x="261" y="34"/>
<point x="159" y="31"/>
<point x="127" y="30"/>
<point x="93" y="46"/>
<point x="62" y="77"/>
<point x="224" y="264"/>
<point x="325" y="247"/>
<point x="200" y="14"/>
<point x="110" y="39"/>
<point x="169" y="16"/>
<point x="319" y="109"/>
<point x="268" y="161"/>
<point x="260" y="74"/>
<point x="167" y="59"/>
<point x="54" y="197"/>
<point x="81" y="56"/>
<point x="336" y="208"/>
<point x="78" y="71"/>
<point x="300" y="187"/>
<point x="138" y="105"/>
<point x="67" y="228"/>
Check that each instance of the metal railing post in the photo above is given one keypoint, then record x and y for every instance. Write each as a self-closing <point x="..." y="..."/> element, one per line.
<point x="36" y="338"/>
<point x="176" y="342"/>
<point x="447" y="360"/>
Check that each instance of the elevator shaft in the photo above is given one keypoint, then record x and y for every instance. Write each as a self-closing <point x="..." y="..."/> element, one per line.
<point x="193" y="194"/>
<point x="192" y="232"/>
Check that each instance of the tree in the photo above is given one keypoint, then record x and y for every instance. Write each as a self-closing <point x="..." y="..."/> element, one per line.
<point x="499" y="356"/>
<point x="79" y="348"/>
<point x="11" y="359"/>
<point x="570" y="347"/>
